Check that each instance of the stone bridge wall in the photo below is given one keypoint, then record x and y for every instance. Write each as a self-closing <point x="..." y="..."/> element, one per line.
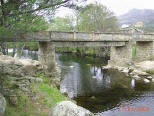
<point x="120" y="56"/>
<point x="121" y="44"/>
<point x="123" y="56"/>
<point x="47" y="55"/>
<point x="144" y="51"/>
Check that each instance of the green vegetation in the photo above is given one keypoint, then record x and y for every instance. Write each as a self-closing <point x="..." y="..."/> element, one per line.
<point x="97" y="18"/>
<point x="83" y="51"/>
<point x="24" y="107"/>
<point x="44" y="96"/>
<point x="28" y="15"/>
<point x="150" y="71"/>
<point x="133" y="51"/>
<point x="93" y="17"/>
<point x="52" y="95"/>
<point x="22" y="16"/>
<point x="62" y="24"/>
<point x="25" y="45"/>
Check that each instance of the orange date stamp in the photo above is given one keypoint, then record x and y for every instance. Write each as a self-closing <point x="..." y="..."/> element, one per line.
<point x="133" y="109"/>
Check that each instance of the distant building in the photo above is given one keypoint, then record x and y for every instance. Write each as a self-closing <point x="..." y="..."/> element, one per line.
<point x="134" y="28"/>
<point x="131" y="29"/>
<point x="125" y="26"/>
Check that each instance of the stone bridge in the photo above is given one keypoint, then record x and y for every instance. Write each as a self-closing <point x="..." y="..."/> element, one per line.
<point x="125" y="48"/>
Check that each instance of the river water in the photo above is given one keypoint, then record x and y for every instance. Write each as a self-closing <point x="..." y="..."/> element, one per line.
<point x="103" y="92"/>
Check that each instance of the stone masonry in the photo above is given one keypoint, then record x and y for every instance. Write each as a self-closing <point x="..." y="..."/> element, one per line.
<point x="121" y="45"/>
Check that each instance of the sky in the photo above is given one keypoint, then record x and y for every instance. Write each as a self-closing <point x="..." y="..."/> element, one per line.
<point x="119" y="7"/>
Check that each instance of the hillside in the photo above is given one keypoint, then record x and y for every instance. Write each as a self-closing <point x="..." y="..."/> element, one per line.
<point x="135" y="15"/>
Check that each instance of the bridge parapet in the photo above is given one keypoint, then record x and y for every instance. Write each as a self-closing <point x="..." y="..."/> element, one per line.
<point x="55" y="36"/>
<point x="121" y="44"/>
<point x="85" y="36"/>
<point x="142" y="37"/>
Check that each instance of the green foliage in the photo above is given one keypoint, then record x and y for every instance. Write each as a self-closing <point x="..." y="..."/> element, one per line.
<point x="150" y="71"/>
<point x="97" y="18"/>
<point x="27" y="24"/>
<point x="35" y="24"/>
<point x="133" y="51"/>
<point x="83" y="51"/>
<point x="19" y="45"/>
<point x="24" y="107"/>
<point x="27" y="15"/>
<point x="52" y="95"/>
<point x="93" y="17"/>
<point x="66" y="49"/>
<point x="5" y="31"/>
<point x="61" y="24"/>
<point x="47" y="96"/>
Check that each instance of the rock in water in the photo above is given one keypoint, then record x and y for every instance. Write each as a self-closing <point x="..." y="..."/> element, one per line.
<point x="146" y="81"/>
<point x="2" y="105"/>
<point x="68" y="108"/>
<point x="94" y="77"/>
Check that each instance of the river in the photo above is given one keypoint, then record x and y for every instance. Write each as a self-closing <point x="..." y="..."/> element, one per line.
<point x="103" y="92"/>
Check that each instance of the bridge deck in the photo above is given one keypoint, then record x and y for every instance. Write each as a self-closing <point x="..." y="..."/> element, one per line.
<point x="53" y="36"/>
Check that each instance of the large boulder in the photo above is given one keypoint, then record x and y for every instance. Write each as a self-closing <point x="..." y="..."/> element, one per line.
<point x="2" y="105"/>
<point x="68" y="108"/>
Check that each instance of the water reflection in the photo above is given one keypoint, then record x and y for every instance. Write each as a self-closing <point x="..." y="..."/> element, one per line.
<point x="132" y="83"/>
<point x="101" y="91"/>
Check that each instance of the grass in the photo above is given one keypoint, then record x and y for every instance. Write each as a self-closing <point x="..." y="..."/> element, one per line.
<point x="52" y="95"/>
<point x="133" y="51"/>
<point x="150" y="71"/>
<point x="25" y="107"/>
<point x="45" y="97"/>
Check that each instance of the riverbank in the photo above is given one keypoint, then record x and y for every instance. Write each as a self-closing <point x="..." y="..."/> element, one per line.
<point x="41" y="97"/>
<point x="27" y="90"/>
<point x="100" y="90"/>
<point x="139" y="71"/>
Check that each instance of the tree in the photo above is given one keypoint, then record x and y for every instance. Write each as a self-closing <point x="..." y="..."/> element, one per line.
<point x="16" y="12"/>
<point x="97" y="18"/>
<point x="77" y="8"/>
<point x="62" y="24"/>
<point x="27" y="15"/>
